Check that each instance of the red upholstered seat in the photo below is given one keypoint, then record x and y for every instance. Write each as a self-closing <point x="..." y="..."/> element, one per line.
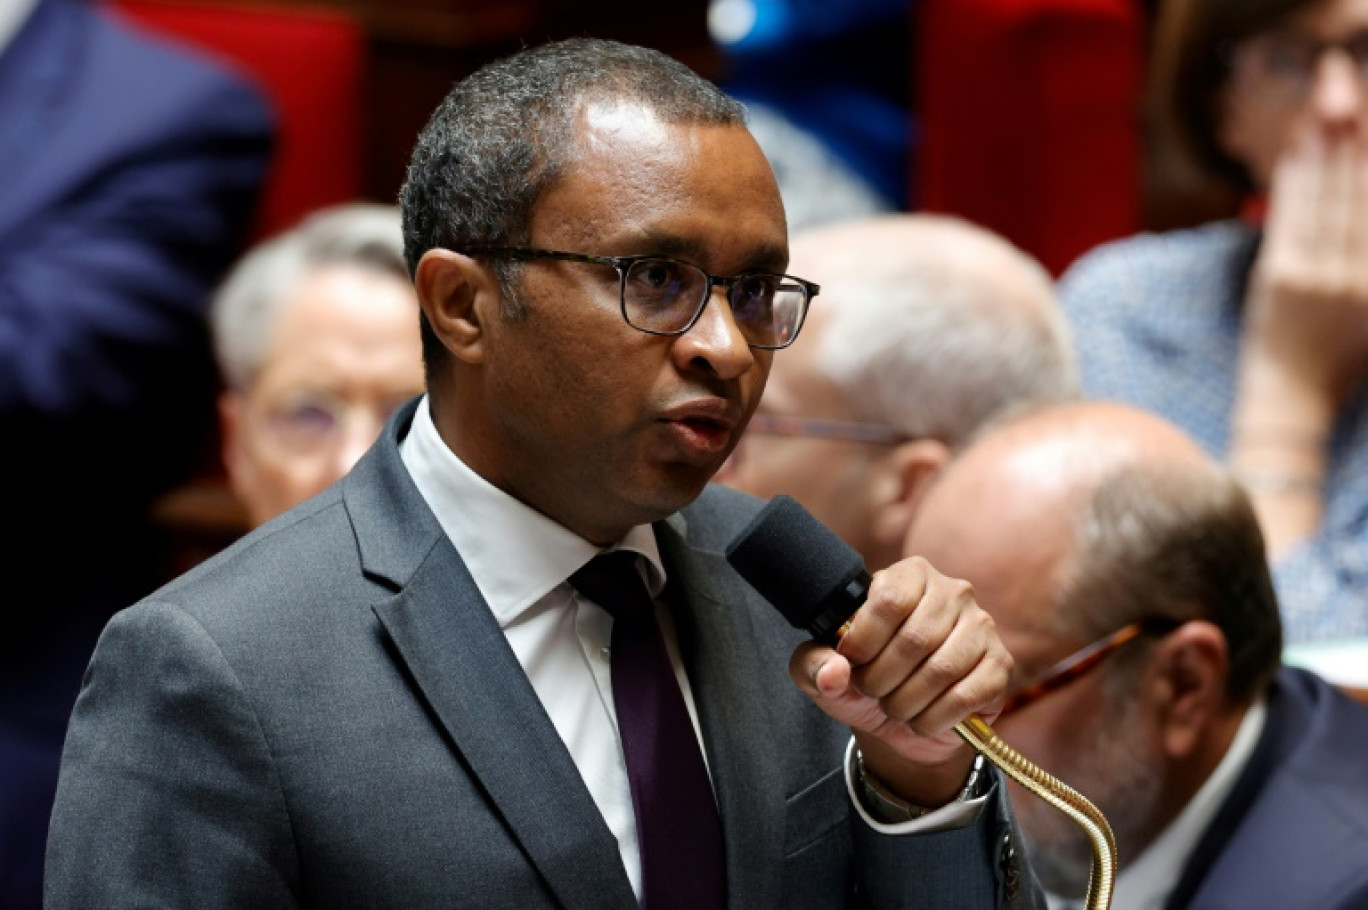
<point x="1029" y="113"/>
<point x="310" y="63"/>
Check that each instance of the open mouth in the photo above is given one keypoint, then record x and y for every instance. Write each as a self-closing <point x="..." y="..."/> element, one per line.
<point x="704" y="436"/>
<point x="706" y="424"/>
<point x="702" y="427"/>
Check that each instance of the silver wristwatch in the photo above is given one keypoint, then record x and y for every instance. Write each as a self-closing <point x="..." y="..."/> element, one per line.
<point x="891" y="809"/>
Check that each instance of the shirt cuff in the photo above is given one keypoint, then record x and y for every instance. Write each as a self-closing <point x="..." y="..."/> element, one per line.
<point x="954" y="814"/>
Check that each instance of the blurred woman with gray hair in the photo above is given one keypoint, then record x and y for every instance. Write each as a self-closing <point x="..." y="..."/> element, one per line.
<point x="317" y="340"/>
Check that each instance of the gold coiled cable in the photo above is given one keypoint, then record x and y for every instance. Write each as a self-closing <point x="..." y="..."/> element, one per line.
<point x="1102" y="877"/>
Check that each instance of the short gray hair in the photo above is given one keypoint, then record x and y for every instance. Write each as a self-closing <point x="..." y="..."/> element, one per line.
<point x="923" y="339"/>
<point x="245" y="308"/>
<point x="1178" y="540"/>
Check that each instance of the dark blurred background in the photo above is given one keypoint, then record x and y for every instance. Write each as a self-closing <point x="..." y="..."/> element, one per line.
<point x="1023" y="115"/>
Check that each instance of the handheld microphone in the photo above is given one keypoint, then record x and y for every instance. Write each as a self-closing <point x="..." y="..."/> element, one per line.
<point x="811" y="576"/>
<point x="818" y="582"/>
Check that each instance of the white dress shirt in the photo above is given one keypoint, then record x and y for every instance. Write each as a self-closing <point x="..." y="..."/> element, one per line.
<point x="1147" y="882"/>
<point x="520" y="560"/>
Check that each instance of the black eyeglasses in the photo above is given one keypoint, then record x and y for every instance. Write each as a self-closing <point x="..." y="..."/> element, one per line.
<point x="665" y="296"/>
<point x="1083" y="660"/>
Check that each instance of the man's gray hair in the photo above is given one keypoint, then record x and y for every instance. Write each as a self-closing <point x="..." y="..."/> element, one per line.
<point x="934" y="337"/>
<point x="248" y="302"/>
<point x="1176" y="540"/>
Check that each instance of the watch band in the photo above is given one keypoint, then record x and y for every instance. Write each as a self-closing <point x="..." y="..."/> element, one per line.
<point x="891" y="809"/>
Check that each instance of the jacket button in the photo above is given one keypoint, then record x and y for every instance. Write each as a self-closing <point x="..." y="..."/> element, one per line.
<point x="1011" y="871"/>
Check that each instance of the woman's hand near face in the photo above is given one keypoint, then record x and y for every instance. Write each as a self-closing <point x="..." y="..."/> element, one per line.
<point x="1304" y="348"/>
<point x="1307" y="307"/>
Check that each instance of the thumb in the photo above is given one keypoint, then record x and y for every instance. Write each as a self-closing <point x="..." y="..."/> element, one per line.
<point x="819" y="671"/>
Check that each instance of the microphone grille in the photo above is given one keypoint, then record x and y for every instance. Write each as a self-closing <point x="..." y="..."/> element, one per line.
<point x="797" y="563"/>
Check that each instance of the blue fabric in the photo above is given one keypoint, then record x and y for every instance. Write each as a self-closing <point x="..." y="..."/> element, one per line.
<point x="1293" y="833"/>
<point x="131" y="171"/>
<point x="840" y="72"/>
<point x="1156" y="320"/>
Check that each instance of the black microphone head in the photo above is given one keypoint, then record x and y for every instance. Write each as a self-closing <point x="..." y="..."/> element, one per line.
<point x="801" y="567"/>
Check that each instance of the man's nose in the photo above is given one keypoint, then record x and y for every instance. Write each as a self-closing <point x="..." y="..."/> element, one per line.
<point x="715" y="340"/>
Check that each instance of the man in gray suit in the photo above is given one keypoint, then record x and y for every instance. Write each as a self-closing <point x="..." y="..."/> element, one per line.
<point x="391" y="696"/>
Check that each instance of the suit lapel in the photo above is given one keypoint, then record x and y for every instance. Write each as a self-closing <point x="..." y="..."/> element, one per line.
<point x="1281" y="728"/>
<point x="705" y="597"/>
<point x="458" y="657"/>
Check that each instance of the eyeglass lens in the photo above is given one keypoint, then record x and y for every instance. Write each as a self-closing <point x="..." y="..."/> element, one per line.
<point x="662" y="295"/>
<point x="1288" y="62"/>
<point x="316" y="421"/>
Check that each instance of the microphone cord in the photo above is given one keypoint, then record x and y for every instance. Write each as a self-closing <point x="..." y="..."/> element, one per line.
<point x="821" y="591"/>
<point x="984" y="739"/>
<point x="1102" y="876"/>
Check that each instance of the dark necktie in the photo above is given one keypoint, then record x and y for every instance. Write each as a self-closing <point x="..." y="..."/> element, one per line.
<point x="676" y="814"/>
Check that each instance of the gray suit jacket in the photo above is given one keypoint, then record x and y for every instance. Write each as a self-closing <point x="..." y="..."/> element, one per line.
<point x="327" y="715"/>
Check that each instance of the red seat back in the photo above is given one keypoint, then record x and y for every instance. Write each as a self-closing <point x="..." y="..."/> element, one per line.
<point x="310" y="63"/>
<point x="1029" y="114"/>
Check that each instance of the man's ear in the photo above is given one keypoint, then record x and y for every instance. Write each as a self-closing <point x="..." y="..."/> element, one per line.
<point x="906" y="473"/>
<point x="1188" y="675"/>
<point x="457" y="296"/>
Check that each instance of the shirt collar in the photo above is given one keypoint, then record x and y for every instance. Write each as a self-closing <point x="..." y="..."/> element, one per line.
<point x="515" y="554"/>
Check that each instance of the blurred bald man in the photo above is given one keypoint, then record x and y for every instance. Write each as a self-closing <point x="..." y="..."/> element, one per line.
<point x="927" y="326"/>
<point x="1127" y="575"/>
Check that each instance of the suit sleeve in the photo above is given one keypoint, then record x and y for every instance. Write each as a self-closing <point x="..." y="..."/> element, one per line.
<point x="168" y="795"/>
<point x="103" y="337"/>
<point x="121" y="269"/>
<point x="981" y="865"/>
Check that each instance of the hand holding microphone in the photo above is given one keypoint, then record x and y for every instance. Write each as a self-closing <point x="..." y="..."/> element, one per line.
<point x="915" y="654"/>
<point x="903" y="658"/>
<point x="917" y="658"/>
